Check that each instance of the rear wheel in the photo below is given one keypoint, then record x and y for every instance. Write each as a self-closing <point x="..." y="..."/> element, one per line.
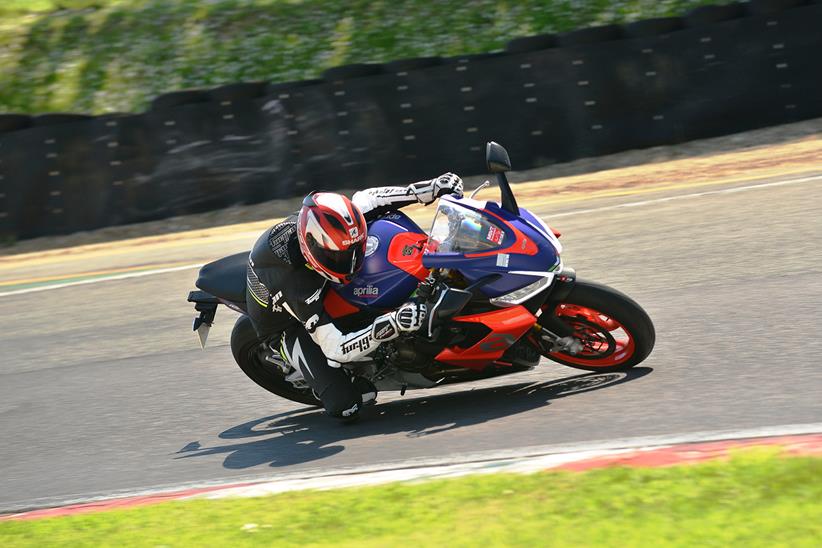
<point x="249" y="353"/>
<point x="615" y="332"/>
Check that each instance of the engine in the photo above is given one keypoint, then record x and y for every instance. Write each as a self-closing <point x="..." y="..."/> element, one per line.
<point x="401" y="354"/>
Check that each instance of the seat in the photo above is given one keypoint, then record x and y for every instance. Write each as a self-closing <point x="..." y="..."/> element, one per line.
<point x="225" y="278"/>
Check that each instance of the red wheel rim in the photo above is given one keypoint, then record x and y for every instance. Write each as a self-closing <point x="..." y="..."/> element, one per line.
<point x="606" y="342"/>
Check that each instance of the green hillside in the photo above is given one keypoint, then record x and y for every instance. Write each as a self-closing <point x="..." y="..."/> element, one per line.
<point x="115" y="55"/>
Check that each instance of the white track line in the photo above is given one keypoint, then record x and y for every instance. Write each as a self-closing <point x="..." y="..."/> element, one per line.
<point x="522" y="459"/>
<point x="552" y="216"/>
<point x="123" y="276"/>
<point x="692" y="195"/>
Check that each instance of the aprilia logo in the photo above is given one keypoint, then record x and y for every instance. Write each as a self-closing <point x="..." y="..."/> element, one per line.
<point x="368" y="291"/>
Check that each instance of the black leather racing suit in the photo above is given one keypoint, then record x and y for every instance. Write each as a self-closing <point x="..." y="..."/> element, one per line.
<point x="285" y="300"/>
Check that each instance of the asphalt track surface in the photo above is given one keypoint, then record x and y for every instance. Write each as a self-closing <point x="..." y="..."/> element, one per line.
<point x="103" y="388"/>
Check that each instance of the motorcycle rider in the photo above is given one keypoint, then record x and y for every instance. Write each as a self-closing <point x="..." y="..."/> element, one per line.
<point x="287" y="277"/>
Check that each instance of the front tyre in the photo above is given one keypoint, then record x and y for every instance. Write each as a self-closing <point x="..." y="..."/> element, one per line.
<point x="615" y="332"/>
<point x="250" y="356"/>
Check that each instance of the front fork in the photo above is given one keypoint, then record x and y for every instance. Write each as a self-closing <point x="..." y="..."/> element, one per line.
<point x="550" y="342"/>
<point x="551" y="333"/>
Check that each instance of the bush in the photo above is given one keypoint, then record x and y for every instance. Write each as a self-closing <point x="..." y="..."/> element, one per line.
<point x="116" y="55"/>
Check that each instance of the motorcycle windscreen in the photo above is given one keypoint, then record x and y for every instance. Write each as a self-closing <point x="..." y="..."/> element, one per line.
<point x="459" y="229"/>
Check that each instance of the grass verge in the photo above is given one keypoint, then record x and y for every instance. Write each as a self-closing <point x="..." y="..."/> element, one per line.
<point x="756" y="499"/>
<point x="115" y="55"/>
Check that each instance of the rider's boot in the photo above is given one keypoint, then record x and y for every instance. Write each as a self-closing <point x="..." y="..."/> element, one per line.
<point x="274" y="356"/>
<point x="367" y="389"/>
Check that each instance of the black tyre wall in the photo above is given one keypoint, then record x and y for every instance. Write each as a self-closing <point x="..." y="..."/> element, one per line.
<point x="14" y="122"/>
<point x="706" y="15"/>
<point x="719" y="70"/>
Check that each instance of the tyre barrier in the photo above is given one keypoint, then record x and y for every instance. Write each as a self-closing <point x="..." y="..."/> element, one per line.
<point x="57" y="118"/>
<point x="473" y="57"/>
<point x="591" y="35"/>
<point x="14" y="122"/>
<point x="238" y="92"/>
<point x="653" y="27"/>
<point x="275" y="88"/>
<point x="549" y="98"/>
<point x="414" y="63"/>
<point x="346" y="72"/>
<point x="706" y="15"/>
<point x="768" y="7"/>
<point x="179" y="98"/>
<point x="531" y="43"/>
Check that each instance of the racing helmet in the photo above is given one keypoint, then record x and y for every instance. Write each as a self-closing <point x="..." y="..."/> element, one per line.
<point x="332" y="233"/>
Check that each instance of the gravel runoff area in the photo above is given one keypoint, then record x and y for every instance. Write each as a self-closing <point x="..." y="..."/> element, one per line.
<point x="740" y="142"/>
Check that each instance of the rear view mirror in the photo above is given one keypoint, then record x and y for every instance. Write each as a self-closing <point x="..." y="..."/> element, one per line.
<point x="498" y="162"/>
<point x="497" y="158"/>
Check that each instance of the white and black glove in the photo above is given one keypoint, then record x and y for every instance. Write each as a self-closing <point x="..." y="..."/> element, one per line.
<point x="406" y="319"/>
<point x="411" y="316"/>
<point x="428" y="191"/>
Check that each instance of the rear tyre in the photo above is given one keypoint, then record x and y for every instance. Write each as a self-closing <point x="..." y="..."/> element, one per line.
<point x="249" y="354"/>
<point x="615" y="331"/>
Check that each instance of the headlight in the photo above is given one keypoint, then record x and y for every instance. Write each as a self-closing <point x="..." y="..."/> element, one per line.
<point x="521" y="295"/>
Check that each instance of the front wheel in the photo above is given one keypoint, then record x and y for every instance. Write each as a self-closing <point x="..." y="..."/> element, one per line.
<point x="249" y="355"/>
<point x="615" y="332"/>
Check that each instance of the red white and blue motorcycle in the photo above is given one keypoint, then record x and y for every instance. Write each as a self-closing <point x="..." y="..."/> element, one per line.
<point x="498" y="293"/>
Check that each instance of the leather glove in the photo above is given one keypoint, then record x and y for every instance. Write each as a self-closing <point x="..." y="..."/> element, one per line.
<point x="411" y="316"/>
<point x="428" y="191"/>
<point x="406" y="319"/>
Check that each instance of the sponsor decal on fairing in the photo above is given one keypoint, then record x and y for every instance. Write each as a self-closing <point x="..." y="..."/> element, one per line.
<point x="368" y="291"/>
<point x="371" y="245"/>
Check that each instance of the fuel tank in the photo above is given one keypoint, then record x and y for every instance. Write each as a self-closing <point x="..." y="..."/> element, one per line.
<point x="393" y="264"/>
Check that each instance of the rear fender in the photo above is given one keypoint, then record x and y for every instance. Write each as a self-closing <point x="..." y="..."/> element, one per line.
<point x="206" y="304"/>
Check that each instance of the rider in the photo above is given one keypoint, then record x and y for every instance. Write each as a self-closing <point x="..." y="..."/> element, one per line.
<point x="288" y="273"/>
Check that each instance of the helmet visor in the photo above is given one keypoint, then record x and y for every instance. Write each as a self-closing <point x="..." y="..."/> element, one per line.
<point x="345" y="263"/>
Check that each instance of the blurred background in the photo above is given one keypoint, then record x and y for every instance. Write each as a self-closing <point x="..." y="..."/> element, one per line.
<point x="127" y="112"/>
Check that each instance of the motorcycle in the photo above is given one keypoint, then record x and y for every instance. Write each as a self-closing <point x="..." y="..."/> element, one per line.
<point x="499" y="299"/>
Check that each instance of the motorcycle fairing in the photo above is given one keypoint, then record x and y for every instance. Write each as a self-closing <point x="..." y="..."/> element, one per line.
<point x="540" y="226"/>
<point x="533" y="254"/>
<point x="505" y="326"/>
<point x="336" y="306"/>
<point x="392" y="271"/>
<point x="405" y="253"/>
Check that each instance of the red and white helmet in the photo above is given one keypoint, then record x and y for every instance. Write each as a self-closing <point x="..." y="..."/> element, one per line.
<point x="332" y="234"/>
